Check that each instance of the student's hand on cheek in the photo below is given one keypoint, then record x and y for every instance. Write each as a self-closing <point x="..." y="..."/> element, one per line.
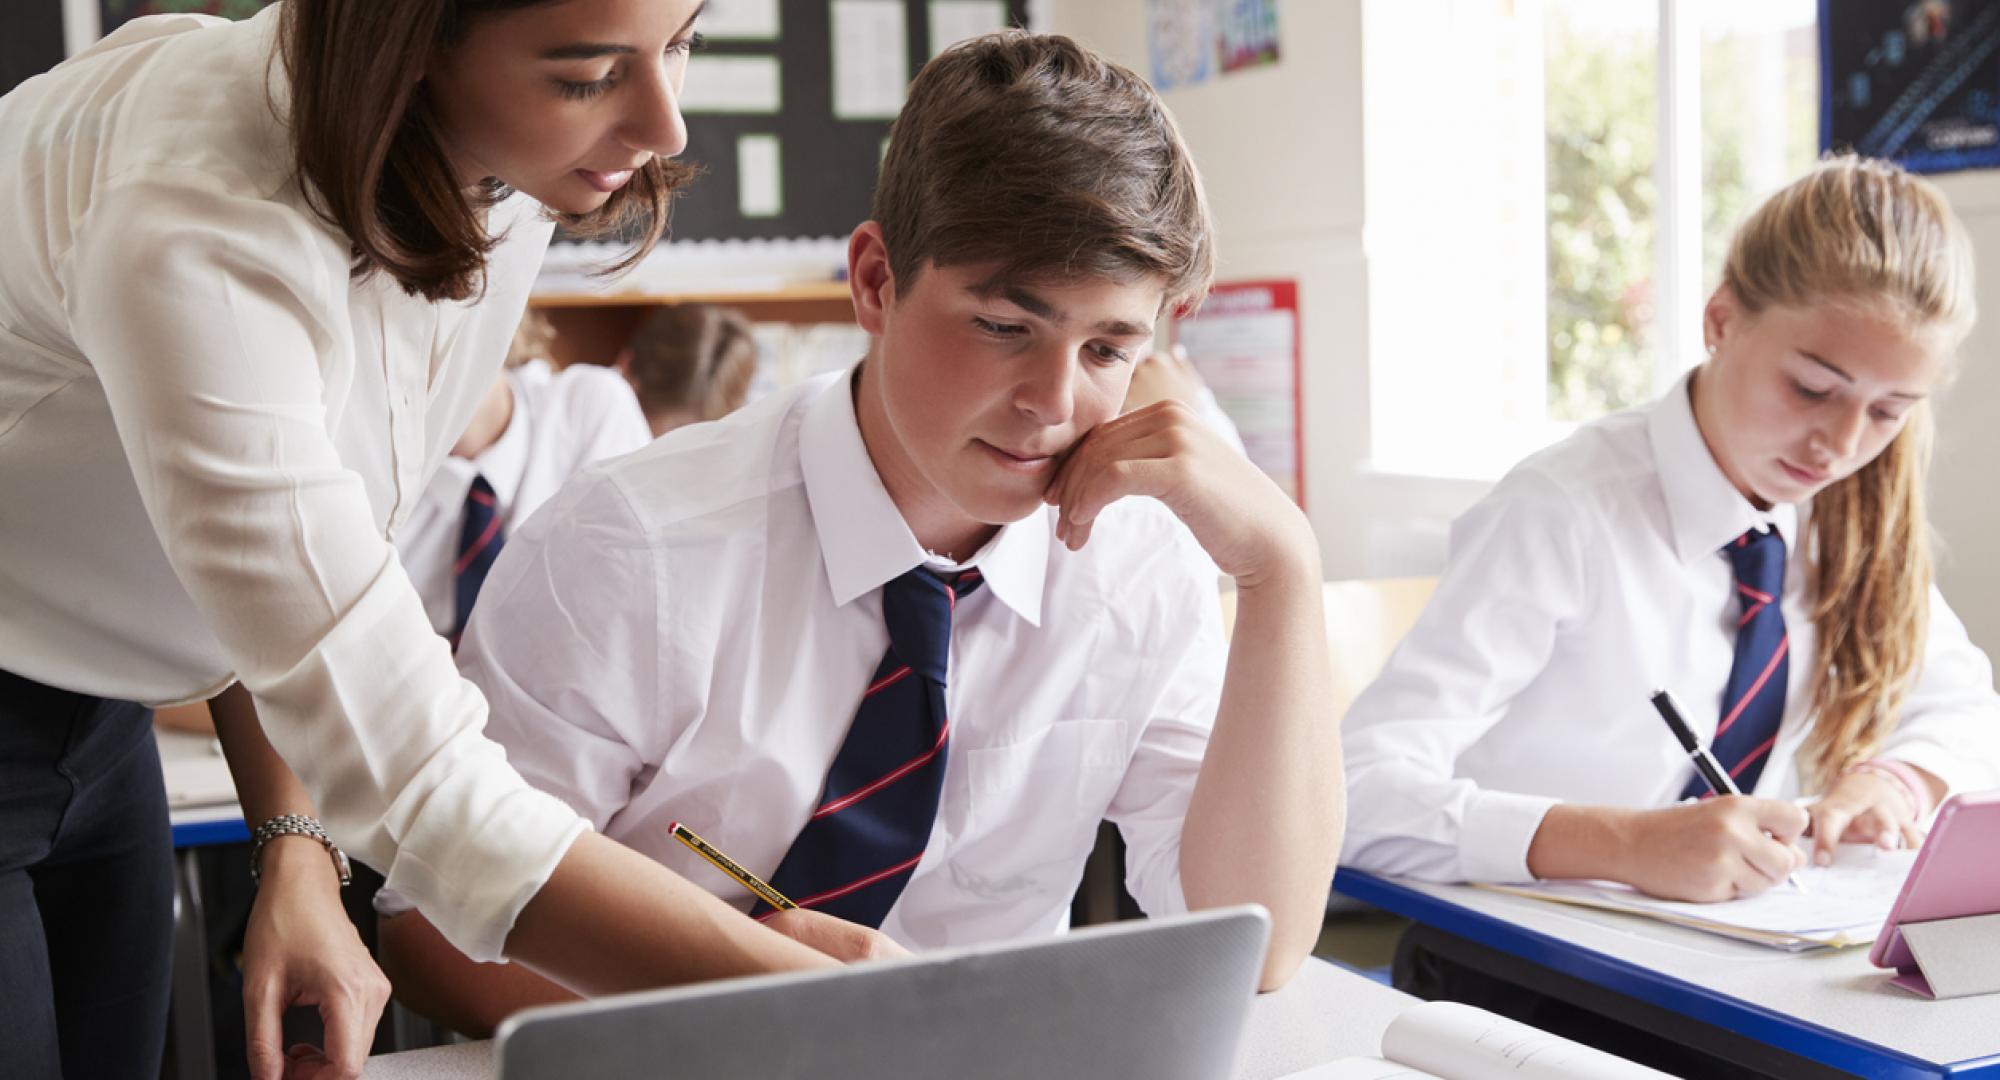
<point x="300" y="949"/>
<point x="1716" y="849"/>
<point x="1242" y="519"/>
<point x="844" y="941"/>
<point x="1863" y="807"/>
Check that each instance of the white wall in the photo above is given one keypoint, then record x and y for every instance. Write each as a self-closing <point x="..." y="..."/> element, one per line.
<point x="1964" y="505"/>
<point x="1280" y="150"/>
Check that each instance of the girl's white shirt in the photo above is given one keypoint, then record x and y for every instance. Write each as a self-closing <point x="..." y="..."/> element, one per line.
<point x="1591" y="576"/>
<point x="209" y="432"/>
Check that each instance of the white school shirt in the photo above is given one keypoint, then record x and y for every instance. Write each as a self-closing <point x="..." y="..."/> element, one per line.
<point x="208" y="431"/>
<point x="684" y="633"/>
<point x="562" y="421"/>
<point x="1591" y="576"/>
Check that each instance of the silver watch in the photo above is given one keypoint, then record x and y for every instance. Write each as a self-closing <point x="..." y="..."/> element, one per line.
<point x="295" y="825"/>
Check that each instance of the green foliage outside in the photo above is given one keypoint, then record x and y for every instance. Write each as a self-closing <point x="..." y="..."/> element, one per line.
<point x="1601" y="144"/>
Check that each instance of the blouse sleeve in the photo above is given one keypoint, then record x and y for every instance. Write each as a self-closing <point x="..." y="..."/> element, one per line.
<point x="1950" y="721"/>
<point x="204" y="315"/>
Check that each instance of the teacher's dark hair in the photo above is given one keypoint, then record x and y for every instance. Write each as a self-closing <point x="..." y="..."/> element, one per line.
<point x="365" y="138"/>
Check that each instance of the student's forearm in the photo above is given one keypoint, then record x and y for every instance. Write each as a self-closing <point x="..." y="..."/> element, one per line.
<point x="611" y="920"/>
<point x="1577" y="841"/>
<point x="437" y="981"/>
<point x="1265" y="820"/>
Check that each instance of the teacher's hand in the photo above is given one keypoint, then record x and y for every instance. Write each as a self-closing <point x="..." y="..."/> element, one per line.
<point x="302" y="950"/>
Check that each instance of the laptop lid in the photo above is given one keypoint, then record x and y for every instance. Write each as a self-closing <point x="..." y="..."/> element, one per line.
<point x="1161" y="998"/>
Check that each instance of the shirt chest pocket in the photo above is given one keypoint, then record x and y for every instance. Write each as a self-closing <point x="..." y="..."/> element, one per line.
<point x="1035" y="805"/>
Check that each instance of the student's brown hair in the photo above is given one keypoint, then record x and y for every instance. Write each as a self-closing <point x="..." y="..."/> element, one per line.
<point x="696" y="360"/>
<point x="1031" y="151"/>
<point x="365" y="139"/>
<point x="1863" y="232"/>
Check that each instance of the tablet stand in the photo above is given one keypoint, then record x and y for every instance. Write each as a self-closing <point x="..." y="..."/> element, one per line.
<point x="1952" y="957"/>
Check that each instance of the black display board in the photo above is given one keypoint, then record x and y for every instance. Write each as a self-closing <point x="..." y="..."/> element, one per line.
<point x="828" y="165"/>
<point x="31" y="40"/>
<point x="1913" y="80"/>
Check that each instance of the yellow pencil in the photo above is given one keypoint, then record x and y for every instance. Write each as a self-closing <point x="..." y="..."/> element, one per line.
<point x="728" y="866"/>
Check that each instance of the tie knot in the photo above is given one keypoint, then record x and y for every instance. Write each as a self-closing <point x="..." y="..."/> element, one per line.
<point x="917" y="608"/>
<point x="1758" y="559"/>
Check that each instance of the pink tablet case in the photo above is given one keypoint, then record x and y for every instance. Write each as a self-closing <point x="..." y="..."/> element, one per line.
<point x="1956" y="873"/>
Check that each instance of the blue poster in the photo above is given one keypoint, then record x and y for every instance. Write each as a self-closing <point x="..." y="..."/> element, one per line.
<point x="1918" y="82"/>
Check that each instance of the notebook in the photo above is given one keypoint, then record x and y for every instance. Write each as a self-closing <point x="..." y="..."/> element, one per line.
<point x="1443" y="1040"/>
<point x="1837" y="906"/>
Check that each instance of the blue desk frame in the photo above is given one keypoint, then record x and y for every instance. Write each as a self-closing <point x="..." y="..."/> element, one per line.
<point x="1787" y="1033"/>
<point x="209" y="833"/>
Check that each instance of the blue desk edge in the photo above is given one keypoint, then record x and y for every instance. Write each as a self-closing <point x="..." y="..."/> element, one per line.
<point x="1807" y="1040"/>
<point x="207" y="833"/>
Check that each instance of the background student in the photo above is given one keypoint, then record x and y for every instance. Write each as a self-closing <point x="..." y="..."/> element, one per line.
<point x="258" y="277"/>
<point x="1755" y="542"/>
<point x="896" y="639"/>
<point x="532" y="431"/>
<point x="690" y="363"/>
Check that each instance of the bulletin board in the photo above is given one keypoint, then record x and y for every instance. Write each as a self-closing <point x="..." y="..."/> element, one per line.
<point x="1918" y="82"/>
<point x="1244" y="340"/>
<point x="788" y="107"/>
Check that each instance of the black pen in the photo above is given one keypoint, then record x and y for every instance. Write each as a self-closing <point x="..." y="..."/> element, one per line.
<point x="1710" y="769"/>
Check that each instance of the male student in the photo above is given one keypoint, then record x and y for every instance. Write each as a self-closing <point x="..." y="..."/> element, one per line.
<point x="896" y="639"/>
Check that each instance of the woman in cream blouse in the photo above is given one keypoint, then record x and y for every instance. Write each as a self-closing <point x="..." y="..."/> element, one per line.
<point x="256" y="277"/>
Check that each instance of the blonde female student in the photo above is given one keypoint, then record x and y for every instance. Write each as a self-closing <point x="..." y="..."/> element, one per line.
<point x="255" y="280"/>
<point x="1755" y="542"/>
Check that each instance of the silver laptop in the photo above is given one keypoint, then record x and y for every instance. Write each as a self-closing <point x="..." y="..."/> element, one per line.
<point x="1162" y="998"/>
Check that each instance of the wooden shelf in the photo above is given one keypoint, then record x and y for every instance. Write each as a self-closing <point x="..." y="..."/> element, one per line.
<point x="592" y="327"/>
<point x="828" y="298"/>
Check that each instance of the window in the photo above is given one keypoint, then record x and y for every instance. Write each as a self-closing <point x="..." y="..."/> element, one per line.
<point x="1551" y="186"/>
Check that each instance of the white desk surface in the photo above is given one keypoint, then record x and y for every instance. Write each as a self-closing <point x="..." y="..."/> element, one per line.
<point x="1324" y="1014"/>
<point x="198" y="784"/>
<point x="1835" y="989"/>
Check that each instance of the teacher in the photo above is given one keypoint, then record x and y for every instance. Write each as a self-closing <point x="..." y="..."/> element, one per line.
<point x="255" y="279"/>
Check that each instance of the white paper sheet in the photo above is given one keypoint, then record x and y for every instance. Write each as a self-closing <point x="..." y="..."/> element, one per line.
<point x="760" y="189"/>
<point x="871" y="59"/>
<point x="740" y="20"/>
<point x="1361" y="1069"/>
<point x="1464" y="1043"/>
<point x="1853" y="895"/>
<point x="733" y="84"/>
<point x="952" y="21"/>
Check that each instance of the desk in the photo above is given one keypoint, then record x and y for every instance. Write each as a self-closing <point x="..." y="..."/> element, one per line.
<point x="1829" y="1007"/>
<point x="1322" y="1015"/>
<point x="190" y="763"/>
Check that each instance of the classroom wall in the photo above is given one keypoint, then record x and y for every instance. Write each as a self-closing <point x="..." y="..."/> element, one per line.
<point x="1965" y="505"/>
<point x="1280" y="150"/>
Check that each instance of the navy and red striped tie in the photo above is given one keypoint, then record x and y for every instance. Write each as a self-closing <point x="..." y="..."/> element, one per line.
<point x="875" y="812"/>
<point x="1753" y="703"/>
<point x="479" y="540"/>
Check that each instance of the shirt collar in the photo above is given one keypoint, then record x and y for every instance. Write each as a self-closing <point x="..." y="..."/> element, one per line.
<point x="862" y="536"/>
<point x="1704" y="510"/>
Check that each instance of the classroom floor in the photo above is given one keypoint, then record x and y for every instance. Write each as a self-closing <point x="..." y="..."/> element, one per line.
<point x="1361" y="940"/>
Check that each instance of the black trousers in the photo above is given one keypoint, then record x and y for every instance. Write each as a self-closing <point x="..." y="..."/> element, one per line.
<point x="86" y="886"/>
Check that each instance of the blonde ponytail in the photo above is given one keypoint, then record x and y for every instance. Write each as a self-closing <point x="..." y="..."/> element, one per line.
<point x="1863" y="232"/>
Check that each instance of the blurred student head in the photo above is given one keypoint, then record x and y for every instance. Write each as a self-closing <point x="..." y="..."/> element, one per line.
<point x="689" y="363"/>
